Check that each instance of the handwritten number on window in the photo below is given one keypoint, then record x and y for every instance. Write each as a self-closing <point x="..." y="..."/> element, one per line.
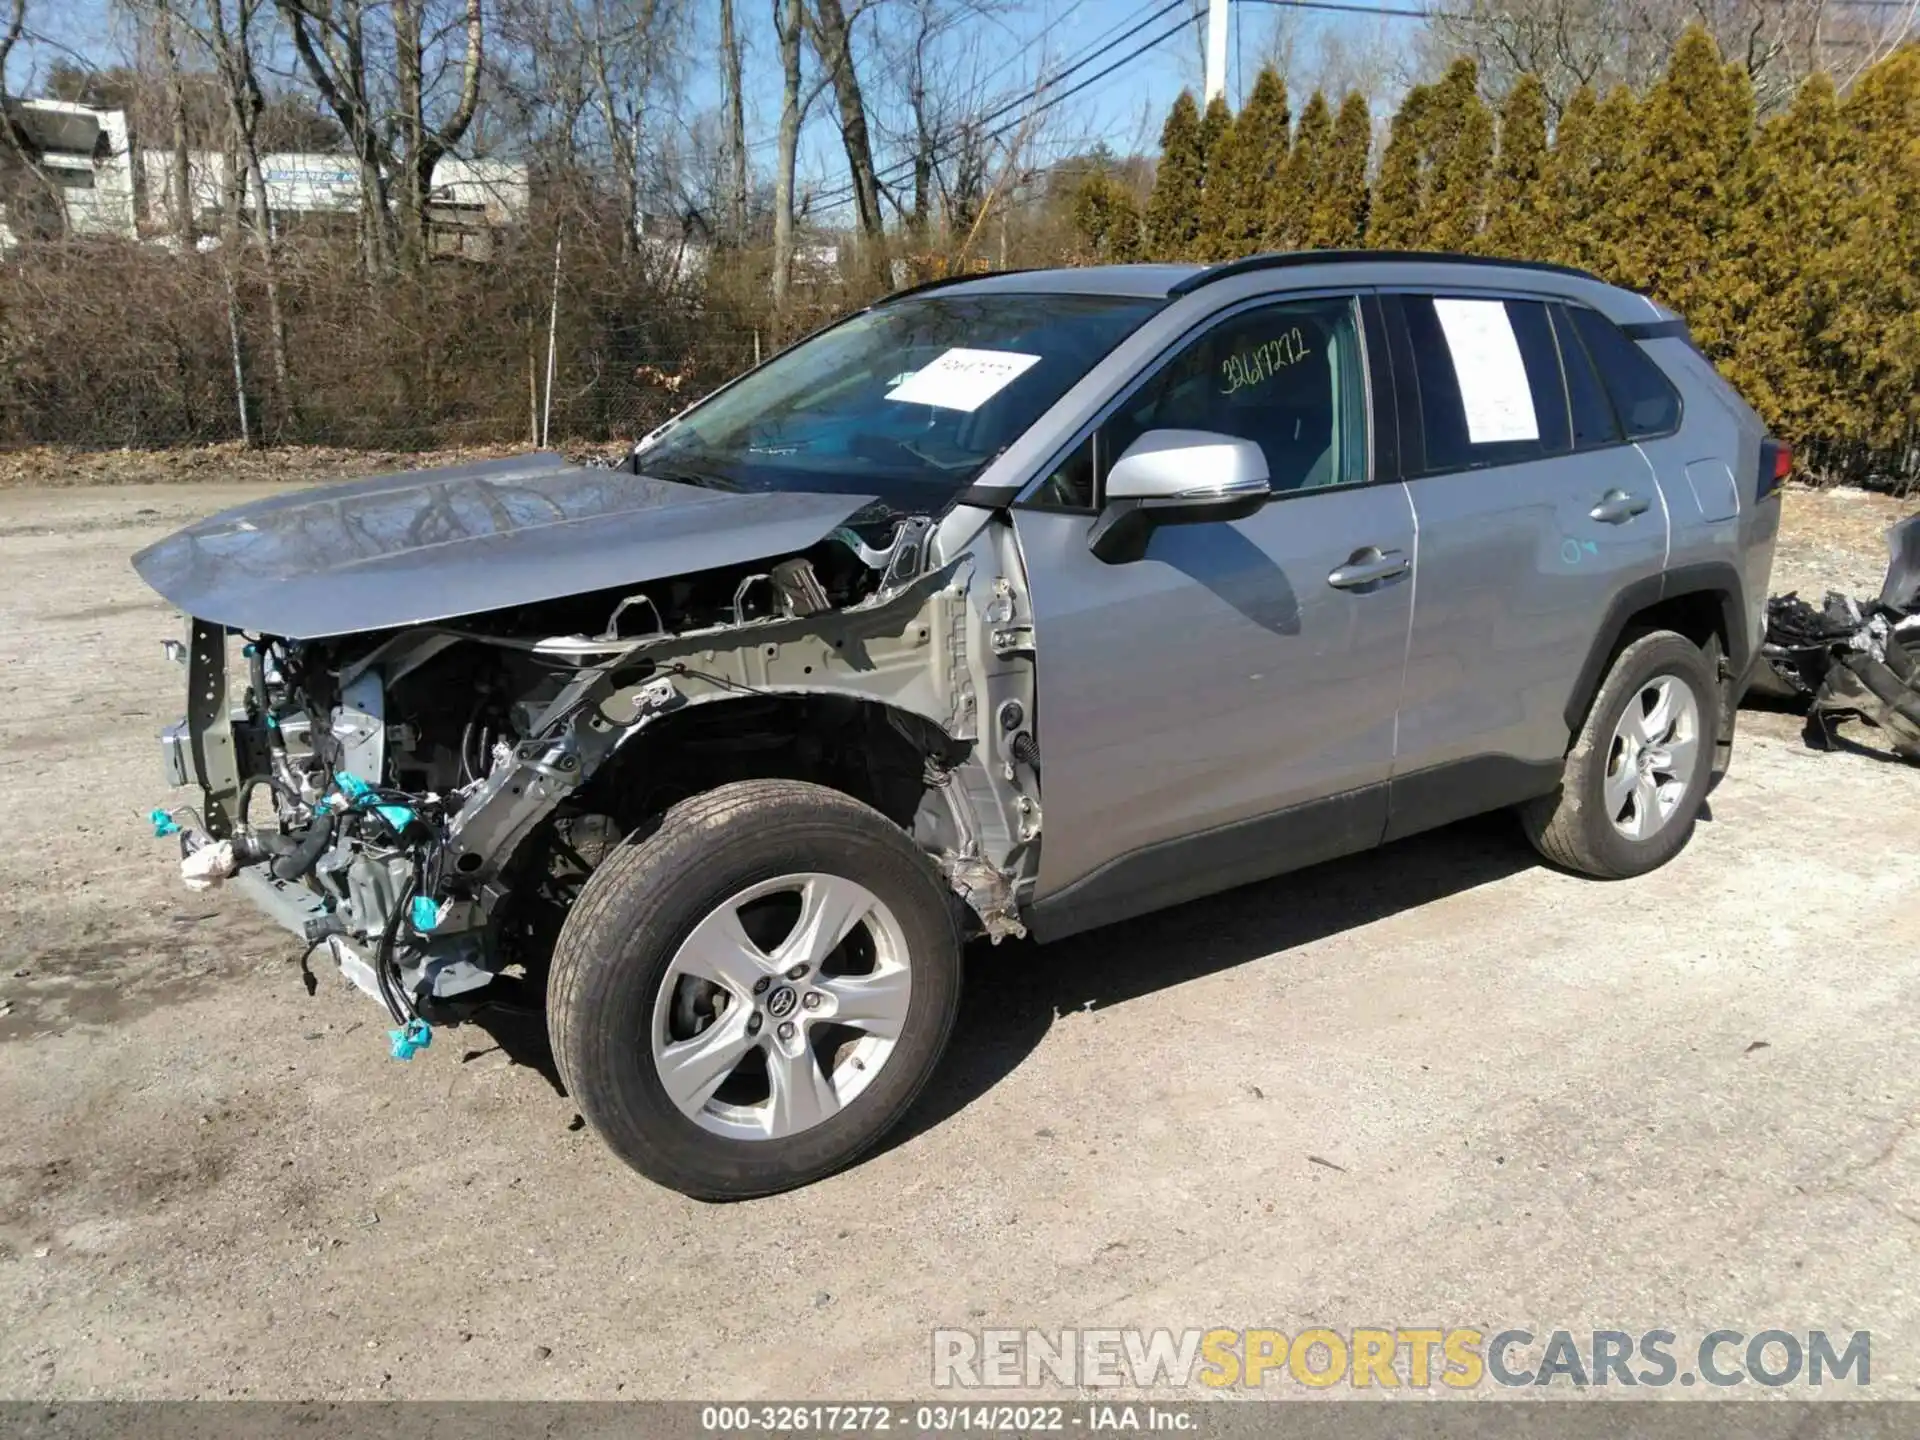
<point x="1263" y="361"/>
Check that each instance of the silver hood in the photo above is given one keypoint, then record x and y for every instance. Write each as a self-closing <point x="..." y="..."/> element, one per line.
<point x="428" y="545"/>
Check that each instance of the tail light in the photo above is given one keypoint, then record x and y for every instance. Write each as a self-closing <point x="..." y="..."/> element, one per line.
<point x="1776" y="463"/>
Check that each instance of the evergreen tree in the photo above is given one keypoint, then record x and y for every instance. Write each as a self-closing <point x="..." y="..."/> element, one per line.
<point x="1595" y="223"/>
<point x="1290" y="213"/>
<point x="1246" y="171"/>
<point x="1395" y="220"/>
<point x="1871" y="278"/>
<point x="1216" y="132"/>
<point x="1517" y="205"/>
<point x="1107" y="220"/>
<point x="1672" y="212"/>
<point x="1736" y="88"/>
<point x="1790" y="214"/>
<point x="1568" y="179"/>
<point x="1459" y="161"/>
<point x="1173" y="210"/>
<point x="1339" y="218"/>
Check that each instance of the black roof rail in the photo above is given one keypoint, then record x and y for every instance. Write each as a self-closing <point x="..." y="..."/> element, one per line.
<point x="1287" y="259"/>
<point x="946" y="280"/>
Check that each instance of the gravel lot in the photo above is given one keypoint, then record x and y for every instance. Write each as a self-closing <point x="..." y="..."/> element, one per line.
<point x="1438" y="1084"/>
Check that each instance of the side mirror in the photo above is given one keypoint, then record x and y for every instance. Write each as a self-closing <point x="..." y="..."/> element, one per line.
<point x="1176" y="477"/>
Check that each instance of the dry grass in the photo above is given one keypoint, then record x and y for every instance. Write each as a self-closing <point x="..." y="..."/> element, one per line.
<point x="1834" y="540"/>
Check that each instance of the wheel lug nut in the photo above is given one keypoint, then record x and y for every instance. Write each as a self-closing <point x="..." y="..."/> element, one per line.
<point x="760" y="985"/>
<point x="753" y="1025"/>
<point x="811" y="1000"/>
<point x="796" y="972"/>
<point x="786" y="1030"/>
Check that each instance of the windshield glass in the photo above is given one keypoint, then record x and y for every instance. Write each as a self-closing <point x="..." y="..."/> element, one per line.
<point x="908" y="401"/>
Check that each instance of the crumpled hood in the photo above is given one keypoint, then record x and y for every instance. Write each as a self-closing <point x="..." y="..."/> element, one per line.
<point x="427" y="545"/>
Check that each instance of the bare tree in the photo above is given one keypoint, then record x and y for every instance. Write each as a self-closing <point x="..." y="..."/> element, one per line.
<point x="592" y="80"/>
<point x="179" y="175"/>
<point x="227" y="33"/>
<point x="789" y="18"/>
<point x="396" y="143"/>
<point x="331" y="40"/>
<point x="831" y="25"/>
<point x="20" y="145"/>
<point x="620" y="96"/>
<point x="736" y="123"/>
<point x="1601" y="43"/>
<point x="422" y="143"/>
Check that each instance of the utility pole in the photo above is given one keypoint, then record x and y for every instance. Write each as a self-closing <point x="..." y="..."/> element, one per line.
<point x="1216" y="50"/>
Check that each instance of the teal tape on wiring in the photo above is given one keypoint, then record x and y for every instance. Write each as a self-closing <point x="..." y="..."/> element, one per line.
<point x="411" y="1038"/>
<point x="359" y="791"/>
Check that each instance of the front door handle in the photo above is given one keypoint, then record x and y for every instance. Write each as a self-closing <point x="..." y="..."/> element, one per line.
<point x="1368" y="566"/>
<point x="1616" y="507"/>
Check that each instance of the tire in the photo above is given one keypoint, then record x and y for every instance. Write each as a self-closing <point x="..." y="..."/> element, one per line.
<point x="1576" y="827"/>
<point x="651" y="919"/>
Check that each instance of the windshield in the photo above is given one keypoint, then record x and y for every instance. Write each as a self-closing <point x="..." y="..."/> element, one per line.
<point x="907" y="401"/>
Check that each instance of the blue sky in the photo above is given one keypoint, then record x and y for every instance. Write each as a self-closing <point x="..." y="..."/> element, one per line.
<point x="1018" y="41"/>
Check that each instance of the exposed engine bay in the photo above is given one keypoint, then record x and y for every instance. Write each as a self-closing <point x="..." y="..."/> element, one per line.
<point x="427" y="800"/>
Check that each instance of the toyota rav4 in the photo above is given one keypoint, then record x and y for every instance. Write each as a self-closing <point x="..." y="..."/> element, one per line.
<point x="1015" y="604"/>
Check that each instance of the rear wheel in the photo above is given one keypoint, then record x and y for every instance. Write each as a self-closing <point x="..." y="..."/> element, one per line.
<point x="750" y="997"/>
<point x="1639" y="769"/>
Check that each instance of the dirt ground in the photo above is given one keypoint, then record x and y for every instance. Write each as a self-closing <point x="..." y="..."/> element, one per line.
<point x="1440" y="1084"/>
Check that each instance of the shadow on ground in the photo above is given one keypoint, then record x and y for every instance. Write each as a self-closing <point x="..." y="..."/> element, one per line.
<point x="1015" y="991"/>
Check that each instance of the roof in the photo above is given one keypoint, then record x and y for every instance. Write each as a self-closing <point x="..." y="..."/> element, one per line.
<point x="1170" y="282"/>
<point x="1153" y="282"/>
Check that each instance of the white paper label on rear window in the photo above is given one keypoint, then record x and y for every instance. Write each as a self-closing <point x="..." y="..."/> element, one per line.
<point x="1493" y="378"/>
<point x="963" y="379"/>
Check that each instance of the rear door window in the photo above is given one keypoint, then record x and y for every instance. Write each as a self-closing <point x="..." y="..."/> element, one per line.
<point x="1593" y="421"/>
<point x="1643" y="397"/>
<point x="1487" y="382"/>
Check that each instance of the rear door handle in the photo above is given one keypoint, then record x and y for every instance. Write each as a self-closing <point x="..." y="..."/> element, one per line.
<point x="1368" y="566"/>
<point x="1616" y="507"/>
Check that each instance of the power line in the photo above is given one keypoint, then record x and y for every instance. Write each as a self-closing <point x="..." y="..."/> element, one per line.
<point x="890" y="174"/>
<point x="1095" y="47"/>
<point x="900" y="169"/>
<point x="835" y="196"/>
<point x="1404" y="12"/>
<point x="1389" y="12"/>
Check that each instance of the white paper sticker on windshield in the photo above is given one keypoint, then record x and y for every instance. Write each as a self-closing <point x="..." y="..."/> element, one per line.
<point x="1493" y="378"/>
<point x="963" y="379"/>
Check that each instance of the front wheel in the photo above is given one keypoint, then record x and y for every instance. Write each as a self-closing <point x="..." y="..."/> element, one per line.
<point x="751" y="996"/>
<point x="1639" y="769"/>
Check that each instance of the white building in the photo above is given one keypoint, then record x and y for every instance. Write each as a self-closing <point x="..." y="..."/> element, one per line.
<point x="86" y="154"/>
<point x="104" y="189"/>
<point x="470" y="198"/>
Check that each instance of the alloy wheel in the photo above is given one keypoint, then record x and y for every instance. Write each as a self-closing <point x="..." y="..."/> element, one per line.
<point x="781" y="1006"/>
<point x="1653" y="757"/>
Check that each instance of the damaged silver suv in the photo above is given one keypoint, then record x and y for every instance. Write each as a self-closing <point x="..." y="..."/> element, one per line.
<point x="1023" y="603"/>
